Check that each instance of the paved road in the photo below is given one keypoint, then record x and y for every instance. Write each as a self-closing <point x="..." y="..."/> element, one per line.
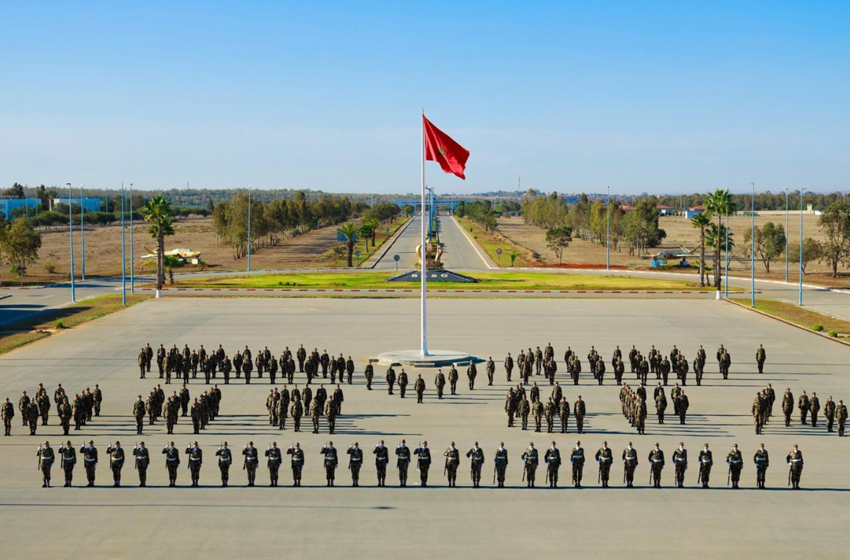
<point x="460" y="522"/>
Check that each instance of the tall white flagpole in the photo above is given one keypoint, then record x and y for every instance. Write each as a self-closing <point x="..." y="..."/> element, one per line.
<point x="423" y="252"/>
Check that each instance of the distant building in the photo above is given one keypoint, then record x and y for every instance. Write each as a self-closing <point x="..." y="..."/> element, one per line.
<point x="7" y="205"/>
<point x="694" y="211"/>
<point x="664" y="210"/>
<point x="90" y="204"/>
<point x="627" y="208"/>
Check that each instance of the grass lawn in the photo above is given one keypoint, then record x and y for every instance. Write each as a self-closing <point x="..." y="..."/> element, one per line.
<point x="36" y="327"/>
<point x="798" y="315"/>
<point x="489" y="242"/>
<point x="486" y="281"/>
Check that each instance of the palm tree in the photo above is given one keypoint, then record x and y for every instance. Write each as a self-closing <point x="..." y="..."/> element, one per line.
<point x="719" y="203"/>
<point x="365" y="231"/>
<point x="513" y="255"/>
<point x="158" y="212"/>
<point x="169" y="263"/>
<point x="349" y="231"/>
<point x="701" y="221"/>
<point x="374" y="226"/>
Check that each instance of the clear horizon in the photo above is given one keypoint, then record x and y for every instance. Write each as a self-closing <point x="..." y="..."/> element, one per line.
<point x="667" y="98"/>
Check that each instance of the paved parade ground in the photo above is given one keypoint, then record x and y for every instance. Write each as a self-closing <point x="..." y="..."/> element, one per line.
<point x="438" y="522"/>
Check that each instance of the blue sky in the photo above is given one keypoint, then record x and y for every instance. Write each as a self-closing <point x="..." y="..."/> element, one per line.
<point x="662" y="97"/>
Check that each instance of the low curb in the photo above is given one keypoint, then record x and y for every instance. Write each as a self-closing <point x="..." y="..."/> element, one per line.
<point x="810" y="331"/>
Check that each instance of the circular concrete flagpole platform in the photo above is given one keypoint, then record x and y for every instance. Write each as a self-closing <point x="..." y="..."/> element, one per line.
<point x="434" y="358"/>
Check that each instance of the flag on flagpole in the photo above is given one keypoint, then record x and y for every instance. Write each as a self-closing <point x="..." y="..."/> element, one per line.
<point x="440" y="147"/>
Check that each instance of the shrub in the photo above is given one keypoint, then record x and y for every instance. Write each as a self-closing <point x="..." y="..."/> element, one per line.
<point x="60" y="324"/>
<point x="50" y="268"/>
<point x="833" y="334"/>
<point x="817" y="328"/>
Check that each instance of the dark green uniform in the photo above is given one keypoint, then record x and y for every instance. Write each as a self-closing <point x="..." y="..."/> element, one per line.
<point x="250" y="462"/>
<point x="705" y="463"/>
<point x="452" y="455"/>
<point x="736" y="463"/>
<point x="680" y="461"/>
<point x="355" y="462"/>
<point x="501" y="463"/>
<point x="630" y="463"/>
<point x="577" y="460"/>
<point x="762" y="462"/>
<point x="116" y="462"/>
<point x="382" y="457"/>
<point x="225" y="460"/>
<point x="142" y="459"/>
<point x="552" y="458"/>
<point x="195" y="456"/>
<point x="402" y="462"/>
<point x="172" y="462"/>
<point x="331" y="460"/>
<point x="795" y="466"/>
<point x="656" y="462"/>
<point x="296" y="463"/>
<point x="476" y="461"/>
<point x="531" y="460"/>
<point x="423" y="463"/>
<point x="46" y="458"/>
<point x="605" y="458"/>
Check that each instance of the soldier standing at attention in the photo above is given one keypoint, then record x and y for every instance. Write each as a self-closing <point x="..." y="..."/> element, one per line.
<point x="315" y="414"/>
<point x="577" y="460"/>
<point x="656" y="462"/>
<point x="551" y="410"/>
<point x="787" y="406"/>
<point x="684" y="403"/>
<point x="491" y="370"/>
<point x="423" y="463"/>
<point x="841" y="415"/>
<point x="296" y="463"/>
<point x="604" y="457"/>
<point x="391" y="379"/>
<point x="705" y="464"/>
<point x="440" y="383"/>
<point x="761" y="356"/>
<point x="680" y="459"/>
<point x="69" y="460"/>
<point x="452" y="455"/>
<point x="172" y="461"/>
<point x="331" y="461"/>
<point x="795" y="465"/>
<point x="143" y="460"/>
<point x="116" y="462"/>
<point x="829" y="413"/>
<point x="369" y="372"/>
<point x="402" y="462"/>
<point x="476" y="461"/>
<point x="8" y="413"/>
<point x="552" y="458"/>
<point x="814" y="408"/>
<point x="46" y="457"/>
<point x="297" y="411"/>
<point x="402" y="382"/>
<point x="501" y="462"/>
<point x="762" y="461"/>
<point x="453" y="377"/>
<point x="524" y="410"/>
<point x="579" y="412"/>
<point x="196" y="460"/>
<point x="382" y="457"/>
<point x="251" y="461"/>
<point x="355" y="461"/>
<point x="803" y="405"/>
<point x="65" y="413"/>
<point x="630" y="463"/>
<point x="537" y="410"/>
<point x="509" y="367"/>
<point x="225" y="459"/>
<point x="471" y="373"/>
<point x="419" y="387"/>
<point x="531" y="459"/>
<point x="736" y="463"/>
<point x="564" y="414"/>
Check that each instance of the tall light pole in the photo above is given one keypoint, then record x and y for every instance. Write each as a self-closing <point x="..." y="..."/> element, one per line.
<point x="726" y="270"/>
<point x="71" y="230"/>
<point x="83" y="231"/>
<point x="608" y="234"/>
<point x="249" y="227"/>
<point x="132" y="254"/>
<point x="753" y="248"/>
<point x="800" y="298"/>
<point x="123" y="253"/>
<point x="786" y="234"/>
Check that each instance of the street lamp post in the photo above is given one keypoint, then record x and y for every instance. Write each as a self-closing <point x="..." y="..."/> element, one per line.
<point x="786" y="234"/>
<point x="608" y="234"/>
<point x="800" y="297"/>
<point x="123" y="253"/>
<point x="83" y="233"/>
<point x="71" y="230"/>
<point x="753" y="248"/>
<point x="726" y="270"/>
<point x="249" y="227"/>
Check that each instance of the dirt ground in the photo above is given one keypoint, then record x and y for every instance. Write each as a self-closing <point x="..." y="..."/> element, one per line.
<point x="103" y="250"/>
<point x="680" y="233"/>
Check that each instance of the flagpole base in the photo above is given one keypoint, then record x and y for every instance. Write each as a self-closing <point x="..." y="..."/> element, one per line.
<point x="433" y="359"/>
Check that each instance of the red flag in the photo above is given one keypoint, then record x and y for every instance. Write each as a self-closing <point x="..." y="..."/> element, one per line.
<point x="441" y="148"/>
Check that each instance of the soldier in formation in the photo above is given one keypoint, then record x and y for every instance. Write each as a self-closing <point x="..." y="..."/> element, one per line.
<point x="680" y="460"/>
<point x="423" y="462"/>
<point x="452" y="463"/>
<point x="382" y="458"/>
<point x="500" y="462"/>
<point x="605" y="457"/>
<point x="577" y="460"/>
<point x="762" y="462"/>
<point x="656" y="462"/>
<point x="402" y="462"/>
<point x="795" y="466"/>
<point x="736" y="464"/>
<point x="296" y="463"/>
<point x="250" y="462"/>
<point x="46" y="458"/>
<point x="331" y="461"/>
<point x="531" y="460"/>
<point x="705" y="463"/>
<point x="476" y="463"/>
<point x="355" y="461"/>
<point x="195" y="456"/>
<point x="172" y="462"/>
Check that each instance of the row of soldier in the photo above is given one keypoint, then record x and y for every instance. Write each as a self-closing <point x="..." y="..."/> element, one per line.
<point x="85" y="405"/>
<point x="520" y="405"/>
<point x="203" y="410"/>
<point x="421" y="456"/>
<point x="283" y="403"/>
<point x="634" y="407"/>
<point x="808" y="407"/>
<point x="183" y="363"/>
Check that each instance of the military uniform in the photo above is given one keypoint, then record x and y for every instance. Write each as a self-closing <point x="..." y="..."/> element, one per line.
<point x="491" y="370"/>
<point x="814" y="408"/>
<point x="355" y="462"/>
<point x="577" y="459"/>
<point x="524" y="410"/>
<point x="537" y="410"/>
<point x="89" y="453"/>
<point x="419" y="387"/>
<point x="250" y="462"/>
<point x="552" y="458"/>
<point x="841" y="416"/>
<point x="8" y="412"/>
<point x="69" y="461"/>
<point x="390" y="377"/>
<point x="795" y="466"/>
<point x="46" y="458"/>
<point x="369" y="373"/>
<point x="705" y="463"/>
<point x="296" y="463"/>
<point x="531" y="460"/>
<point x="680" y="460"/>
<point x="501" y="463"/>
<point x="453" y="377"/>
<point x="440" y="383"/>
<point x="476" y="461"/>
<point x="471" y="373"/>
<point x="829" y="413"/>
<point x="656" y="462"/>
<point x="402" y="462"/>
<point x="142" y="459"/>
<point x="736" y="464"/>
<point x="605" y="457"/>
<point x="225" y="460"/>
<point x="762" y="462"/>
<point x="788" y="406"/>
<point x="296" y="411"/>
<point x="116" y="462"/>
<point x="509" y="367"/>
<point x="761" y="356"/>
<point x="172" y="462"/>
<point x="382" y="457"/>
<point x="579" y="411"/>
<point x="331" y="460"/>
<point x="564" y="414"/>
<point x="423" y="463"/>
<point x="195" y="456"/>
<point x="452" y="455"/>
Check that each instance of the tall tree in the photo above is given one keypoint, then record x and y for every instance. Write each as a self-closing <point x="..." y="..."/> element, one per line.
<point x="701" y="221"/>
<point x="349" y="231"/>
<point x="835" y="225"/>
<point x="718" y="204"/>
<point x="769" y="242"/>
<point x="557" y="239"/>
<point x="158" y="213"/>
<point x="20" y="244"/>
